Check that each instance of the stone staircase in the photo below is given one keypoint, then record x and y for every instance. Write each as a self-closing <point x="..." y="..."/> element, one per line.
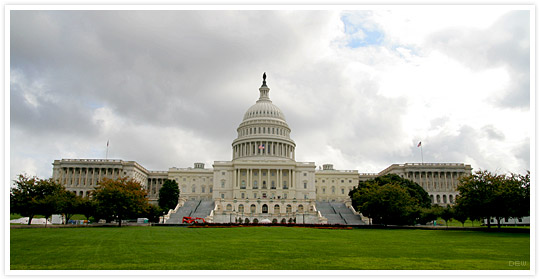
<point x="192" y="208"/>
<point x="338" y="213"/>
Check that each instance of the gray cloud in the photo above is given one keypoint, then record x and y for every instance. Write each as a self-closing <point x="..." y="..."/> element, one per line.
<point x="169" y="88"/>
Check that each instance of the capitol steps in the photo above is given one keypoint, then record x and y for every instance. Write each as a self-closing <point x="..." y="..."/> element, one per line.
<point x="338" y="213"/>
<point x="192" y="208"/>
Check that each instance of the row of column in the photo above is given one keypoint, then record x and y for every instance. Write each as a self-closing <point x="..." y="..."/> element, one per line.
<point x="70" y="177"/>
<point x="270" y="148"/>
<point x="154" y="184"/>
<point x="449" y="180"/>
<point x="249" y="178"/>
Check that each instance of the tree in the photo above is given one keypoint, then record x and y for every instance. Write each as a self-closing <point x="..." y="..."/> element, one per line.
<point x="87" y="207"/>
<point x="68" y="204"/>
<point x="484" y="195"/>
<point x="168" y="195"/>
<point x="460" y="215"/>
<point x="120" y="199"/>
<point x="390" y="199"/>
<point x="32" y="196"/>
<point x="153" y="212"/>
<point x="447" y="214"/>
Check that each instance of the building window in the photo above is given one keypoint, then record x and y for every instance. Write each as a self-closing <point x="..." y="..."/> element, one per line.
<point x="305" y="174"/>
<point x="229" y="207"/>
<point x="342" y="191"/>
<point x="305" y="185"/>
<point x="323" y="190"/>
<point x="305" y="196"/>
<point x="254" y="195"/>
<point x="300" y="208"/>
<point x="210" y="190"/>
<point x="289" y="208"/>
<point x="222" y="183"/>
<point x="276" y="208"/>
<point x="243" y="186"/>
<point x="243" y="195"/>
<point x="255" y="184"/>
<point x="265" y="208"/>
<point x="333" y="190"/>
<point x="241" y="208"/>
<point x="203" y="189"/>
<point x="192" y="189"/>
<point x="272" y="185"/>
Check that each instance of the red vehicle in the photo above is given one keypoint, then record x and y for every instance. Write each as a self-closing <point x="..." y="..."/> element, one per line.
<point x="193" y="220"/>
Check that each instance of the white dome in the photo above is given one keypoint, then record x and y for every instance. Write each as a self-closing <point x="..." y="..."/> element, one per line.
<point x="264" y="109"/>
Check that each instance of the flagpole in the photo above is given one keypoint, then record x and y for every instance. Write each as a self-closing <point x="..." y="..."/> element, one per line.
<point x="422" y="153"/>
<point x="107" y="153"/>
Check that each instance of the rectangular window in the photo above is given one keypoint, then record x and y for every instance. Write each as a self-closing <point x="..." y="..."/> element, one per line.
<point x="243" y="195"/>
<point x="222" y="195"/>
<point x="305" y="185"/>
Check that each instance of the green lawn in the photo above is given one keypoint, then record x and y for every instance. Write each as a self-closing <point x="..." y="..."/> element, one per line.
<point x="272" y="248"/>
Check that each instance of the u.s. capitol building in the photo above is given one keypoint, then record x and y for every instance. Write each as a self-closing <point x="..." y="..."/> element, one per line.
<point x="263" y="180"/>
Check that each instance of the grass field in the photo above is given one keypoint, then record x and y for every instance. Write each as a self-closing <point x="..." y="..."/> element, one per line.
<point x="272" y="248"/>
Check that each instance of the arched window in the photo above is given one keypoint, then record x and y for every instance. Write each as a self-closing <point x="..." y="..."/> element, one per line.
<point x="193" y="189"/>
<point x="276" y="209"/>
<point x="255" y="221"/>
<point x="253" y="208"/>
<point x="283" y="221"/>
<point x="289" y="208"/>
<point x="241" y="208"/>
<point x="323" y="190"/>
<point x="432" y="200"/>
<point x="265" y="208"/>
<point x="444" y="198"/>
<point x="203" y="188"/>
<point x="264" y="184"/>
<point x="451" y="198"/>
<point x="246" y="221"/>
<point x="333" y="190"/>
<point x="229" y="207"/>
<point x="274" y="221"/>
<point x="300" y="208"/>
<point x="438" y="199"/>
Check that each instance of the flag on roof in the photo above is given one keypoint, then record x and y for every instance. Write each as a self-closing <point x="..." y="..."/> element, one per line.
<point x="261" y="147"/>
<point x="419" y="144"/>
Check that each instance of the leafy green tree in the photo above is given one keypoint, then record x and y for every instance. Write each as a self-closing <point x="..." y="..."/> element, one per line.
<point x="68" y="204"/>
<point x="153" y="212"/>
<point x="460" y="215"/>
<point x="483" y="195"/>
<point x="87" y="207"/>
<point x="168" y="195"/>
<point x="447" y="214"/>
<point x="120" y="199"/>
<point x="32" y="196"/>
<point x="390" y="199"/>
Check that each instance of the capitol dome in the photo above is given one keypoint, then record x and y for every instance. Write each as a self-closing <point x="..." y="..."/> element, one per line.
<point x="264" y="109"/>
<point x="264" y="131"/>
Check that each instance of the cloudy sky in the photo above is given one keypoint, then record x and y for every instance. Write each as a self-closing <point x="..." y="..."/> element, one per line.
<point x="359" y="88"/>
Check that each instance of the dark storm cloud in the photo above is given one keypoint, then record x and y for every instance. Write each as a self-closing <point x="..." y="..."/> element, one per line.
<point x="505" y="43"/>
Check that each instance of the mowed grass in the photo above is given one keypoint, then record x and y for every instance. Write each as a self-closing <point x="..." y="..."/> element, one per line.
<point x="267" y="248"/>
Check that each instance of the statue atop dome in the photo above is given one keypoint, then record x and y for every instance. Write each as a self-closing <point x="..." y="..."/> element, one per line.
<point x="264" y="79"/>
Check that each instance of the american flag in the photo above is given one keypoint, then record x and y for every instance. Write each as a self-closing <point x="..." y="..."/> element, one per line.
<point x="419" y="144"/>
<point x="261" y="147"/>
